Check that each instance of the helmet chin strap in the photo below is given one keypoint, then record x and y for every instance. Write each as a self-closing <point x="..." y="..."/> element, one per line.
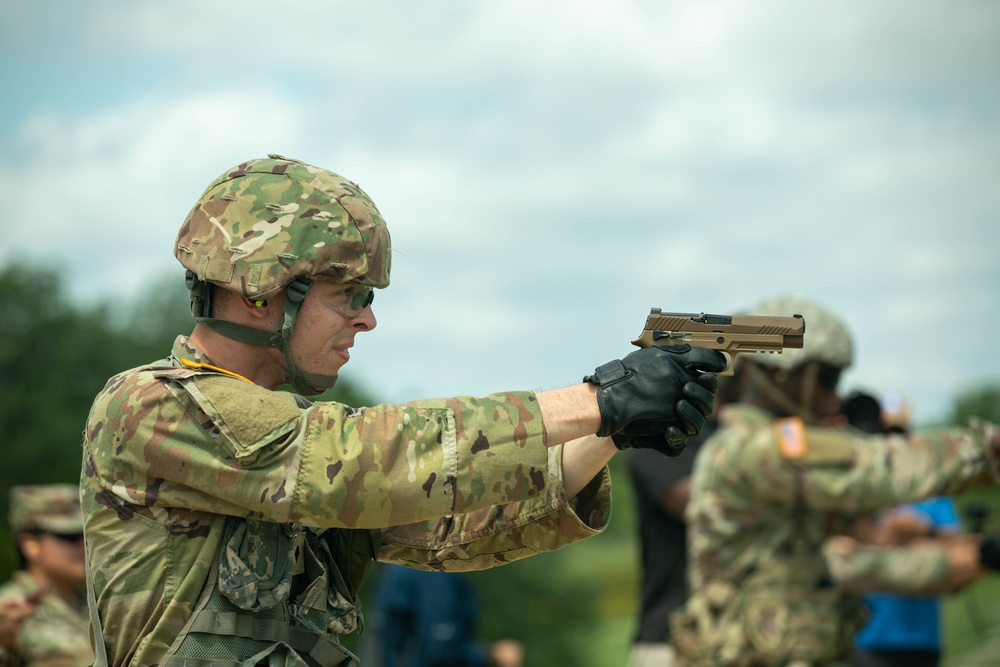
<point x="774" y="392"/>
<point x="306" y="384"/>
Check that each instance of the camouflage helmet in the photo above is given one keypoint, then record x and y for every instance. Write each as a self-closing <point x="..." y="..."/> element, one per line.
<point x="827" y="338"/>
<point x="265" y="222"/>
<point x="50" y="508"/>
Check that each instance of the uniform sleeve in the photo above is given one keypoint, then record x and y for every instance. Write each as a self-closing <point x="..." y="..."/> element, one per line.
<point x="504" y="533"/>
<point x="212" y="443"/>
<point x="846" y="471"/>
<point x="912" y="570"/>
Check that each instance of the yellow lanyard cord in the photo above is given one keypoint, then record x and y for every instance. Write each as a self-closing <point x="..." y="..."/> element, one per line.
<point x="195" y="364"/>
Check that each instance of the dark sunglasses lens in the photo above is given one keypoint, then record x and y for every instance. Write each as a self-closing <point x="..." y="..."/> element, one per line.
<point x="68" y="537"/>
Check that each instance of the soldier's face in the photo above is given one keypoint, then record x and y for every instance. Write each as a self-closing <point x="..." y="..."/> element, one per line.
<point x="325" y="329"/>
<point x="59" y="557"/>
<point x="823" y="400"/>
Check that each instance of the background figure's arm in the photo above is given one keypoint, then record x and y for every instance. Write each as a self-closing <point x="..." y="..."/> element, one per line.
<point x="931" y="567"/>
<point x="845" y="471"/>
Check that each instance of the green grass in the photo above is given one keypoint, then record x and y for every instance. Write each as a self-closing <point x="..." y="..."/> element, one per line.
<point x="971" y="625"/>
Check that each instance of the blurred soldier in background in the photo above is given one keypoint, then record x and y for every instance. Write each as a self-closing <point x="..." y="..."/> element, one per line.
<point x="775" y="574"/>
<point x="48" y="526"/>
<point x="231" y="522"/>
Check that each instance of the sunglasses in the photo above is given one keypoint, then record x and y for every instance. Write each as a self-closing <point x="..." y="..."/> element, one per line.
<point x="352" y="299"/>
<point x="828" y="376"/>
<point x="69" y="538"/>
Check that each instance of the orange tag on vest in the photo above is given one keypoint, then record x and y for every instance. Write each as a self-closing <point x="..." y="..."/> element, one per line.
<point x="791" y="435"/>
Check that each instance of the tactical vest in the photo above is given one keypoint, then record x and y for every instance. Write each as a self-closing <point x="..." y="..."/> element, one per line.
<point x="277" y="595"/>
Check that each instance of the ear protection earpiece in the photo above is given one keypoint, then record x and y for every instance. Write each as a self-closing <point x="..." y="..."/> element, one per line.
<point x="260" y="303"/>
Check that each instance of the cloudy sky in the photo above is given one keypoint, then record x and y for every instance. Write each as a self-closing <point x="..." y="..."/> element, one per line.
<point x="549" y="170"/>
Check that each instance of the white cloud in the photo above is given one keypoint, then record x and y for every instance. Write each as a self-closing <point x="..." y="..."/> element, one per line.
<point x="107" y="193"/>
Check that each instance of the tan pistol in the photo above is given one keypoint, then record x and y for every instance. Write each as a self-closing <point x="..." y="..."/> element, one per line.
<point x="729" y="334"/>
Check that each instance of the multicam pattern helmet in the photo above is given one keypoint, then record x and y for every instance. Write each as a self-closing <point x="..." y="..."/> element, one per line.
<point x="827" y="338"/>
<point x="266" y="222"/>
<point x="51" y="508"/>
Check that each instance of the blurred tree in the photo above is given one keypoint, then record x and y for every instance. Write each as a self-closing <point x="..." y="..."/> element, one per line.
<point x="967" y="614"/>
<point x="54" y="358"/>
<point x="56" y="355"/>
<point x="982" y="401"/>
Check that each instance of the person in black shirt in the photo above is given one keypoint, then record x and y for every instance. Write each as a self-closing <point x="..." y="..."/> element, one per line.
<point x="662" y="488"/>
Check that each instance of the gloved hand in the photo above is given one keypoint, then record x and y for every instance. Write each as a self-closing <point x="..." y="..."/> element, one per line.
<point x="671" y="440"/>
<point x="656" y="397"/>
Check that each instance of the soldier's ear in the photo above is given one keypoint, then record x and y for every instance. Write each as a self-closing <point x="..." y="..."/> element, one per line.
<point x="260" y="309"/>
<point x="29" y="545"/>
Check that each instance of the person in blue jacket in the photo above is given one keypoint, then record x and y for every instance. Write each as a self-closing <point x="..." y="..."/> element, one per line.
<point x="428" y="619"/>
<point x="906" y="631"/>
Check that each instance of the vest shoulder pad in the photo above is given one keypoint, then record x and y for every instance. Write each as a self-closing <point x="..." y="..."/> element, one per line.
<point x="247" y="416"/>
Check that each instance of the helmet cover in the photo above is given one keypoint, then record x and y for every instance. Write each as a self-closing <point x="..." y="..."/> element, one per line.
<point x="266" y="222"/>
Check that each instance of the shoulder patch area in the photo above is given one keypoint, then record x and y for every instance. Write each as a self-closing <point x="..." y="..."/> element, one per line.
<point x="791" y="436"/>
<point x="812" y="445"/>
<point x="247" y="416"/>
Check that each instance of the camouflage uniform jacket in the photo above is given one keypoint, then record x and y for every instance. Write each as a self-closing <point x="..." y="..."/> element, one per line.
<point x="767" y="496"/>
<point x="172" y="449"/>
<point x="57" y="634"/>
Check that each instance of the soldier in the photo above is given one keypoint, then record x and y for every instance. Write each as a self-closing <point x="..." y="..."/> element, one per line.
<point x="775" y="574"/>
<point x="231" y="524"/>
<point x="48" y="525"/>
<point x="662" y="489"/>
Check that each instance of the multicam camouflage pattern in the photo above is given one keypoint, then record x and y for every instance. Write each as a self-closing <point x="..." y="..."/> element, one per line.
<point x="265" y="222"/>
<point x="53" y="508"/>
<point x="57" y="634"/>
<point x="171" y="451"/>
<point x="827" y="338"/>
<point x="762" y="508"/>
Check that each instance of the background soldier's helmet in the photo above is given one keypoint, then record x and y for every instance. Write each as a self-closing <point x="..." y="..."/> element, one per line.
<point x="827" y="338"/>
<point x="50" y="508"/>
<point x="266" y="222"/>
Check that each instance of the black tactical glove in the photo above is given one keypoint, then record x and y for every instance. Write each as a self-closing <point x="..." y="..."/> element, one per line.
<point x="656" y="397"/>
<point x="989" y="552"/>
<point x="672" y="441"/>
